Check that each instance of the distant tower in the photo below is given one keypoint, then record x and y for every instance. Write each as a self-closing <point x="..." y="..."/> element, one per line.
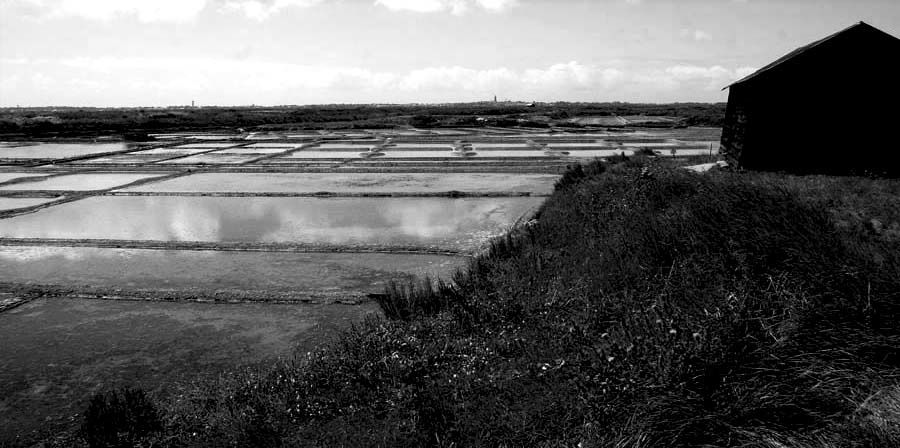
<point x="495" y="98"/>
<point x="192" y="103"/>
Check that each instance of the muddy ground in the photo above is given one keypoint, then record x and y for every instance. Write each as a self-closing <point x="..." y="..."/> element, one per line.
<point x="57" y="352"/>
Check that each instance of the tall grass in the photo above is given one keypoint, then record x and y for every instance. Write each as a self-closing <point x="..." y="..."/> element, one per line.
<point x="420" y="297"/>
<point x="644" y="307"/>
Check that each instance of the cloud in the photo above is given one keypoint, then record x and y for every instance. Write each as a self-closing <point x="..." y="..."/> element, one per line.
<point x="263" y="9"/>
<point x="697" y="35"/>
<point x="457" y="7"/>
<point x="708" y="78"/>
<point x="166" y="81"/>
<point x="145" y="10"/>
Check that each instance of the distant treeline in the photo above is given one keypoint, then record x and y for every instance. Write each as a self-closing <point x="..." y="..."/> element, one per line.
<point x="79" y="121"/>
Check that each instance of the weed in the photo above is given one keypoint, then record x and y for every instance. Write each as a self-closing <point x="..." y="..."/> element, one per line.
<point x="646" y="306"/>
<point x="119" y="418"/>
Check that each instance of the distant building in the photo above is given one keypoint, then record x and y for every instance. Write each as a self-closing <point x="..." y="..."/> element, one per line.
<point x="828" y="107"/>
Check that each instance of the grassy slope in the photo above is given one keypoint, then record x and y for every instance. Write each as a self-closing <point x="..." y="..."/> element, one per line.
<point x="645" y="307"/>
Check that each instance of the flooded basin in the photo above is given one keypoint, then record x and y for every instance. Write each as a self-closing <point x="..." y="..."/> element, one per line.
<point x="169" y="151"/>
<point x="447" y="154"/>
<point x="211" y="159"/>
<point x="451" y="224"/>
<point x="304" y="136"/>
<point x="287" y="275"/>
<point x="130" y="159"/>
<point x="361" y="183"/>
<point x="14" y="203"/>
<point x="57" y="352"/>
<point x="647" y="144"/>
<point x="498" y="154"/>
<point x="207" y="145"/>
<point x="316" y="154"/>
<point x="276" y="145"/>
<point x="359" y="145"/>
<point x="58" y="150"/>
<point x="195" y="136"/>
<point x="257" y="150"/>
<point x="81" y="182"/>
<point x="688" y="152"/>
<point x="6" y="177"/>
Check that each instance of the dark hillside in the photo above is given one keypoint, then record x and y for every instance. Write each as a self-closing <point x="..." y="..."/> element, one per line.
<point x="644" y="307"/>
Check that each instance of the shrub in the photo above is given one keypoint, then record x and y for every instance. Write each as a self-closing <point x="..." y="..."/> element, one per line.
<point x="644" y="151"/>
<point x="119" y="418"/>
<point x="405" y="300"/>
<point x="576" y="173"/>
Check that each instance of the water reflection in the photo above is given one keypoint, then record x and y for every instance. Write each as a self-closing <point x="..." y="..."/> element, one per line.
<point x="450" y="223"/>
<point x="212" y="270"/>
<point x="354" y="182"/>
<point x="81" y="182"/>
<point x="58" y="150"/>
<point x="14" y="203"/>
<point x="6" y="177"/>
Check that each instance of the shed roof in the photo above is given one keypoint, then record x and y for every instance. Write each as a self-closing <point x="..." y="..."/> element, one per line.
<point x="858" y="27"/>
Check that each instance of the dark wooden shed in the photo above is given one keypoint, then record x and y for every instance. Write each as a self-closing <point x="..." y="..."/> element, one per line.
<point x="832" y="107"/>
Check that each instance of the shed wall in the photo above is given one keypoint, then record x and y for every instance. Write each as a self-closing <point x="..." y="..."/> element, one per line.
<point x="831" y="112"/>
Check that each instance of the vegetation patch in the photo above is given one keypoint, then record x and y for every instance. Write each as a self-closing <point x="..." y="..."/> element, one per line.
<point x="645" y="306"/>
<point x="136" y="123"/>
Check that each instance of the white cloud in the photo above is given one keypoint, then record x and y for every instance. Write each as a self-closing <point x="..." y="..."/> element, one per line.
<point x="165" y="81"/>
<point x="497" y="5"/>
<point x="457" y="7"/>
<point x="707" y="78"/>
<point x="145" y="10"/>
<point x="263" y="9"/>
<point x="692" y="72"/>
<point x="697" y="35"/>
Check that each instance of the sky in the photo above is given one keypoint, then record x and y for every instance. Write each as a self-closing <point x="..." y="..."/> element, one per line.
<point x="279" y="52"/>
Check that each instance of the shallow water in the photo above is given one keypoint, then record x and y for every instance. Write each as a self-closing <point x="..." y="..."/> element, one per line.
<point x="209" y="145"/>
<point x="259" y="151"/>
<point x="345" y="146"/>
<point x="211" y="159"/>
<point x="628" y="144"/>
<point x="132" y="158"/>
<point x="688" y="152"/>
<point x="275" y="145"/>
<point x="314" y="154"/>
<point x="297" y="274"/>
<point x="306" y="136"/>
<point x="510" y="154"/>
<point x="14" y="203"/>
<point x="168" y="151"/>
<point x="585" y="145"/>
<point x="499" y="154"/>
<point x="58" y="150"/>
<point x="4" y="177"/>
<point x="81" y="182"/>
<point x="353" y="183"/>
<point x="447" y="154"/>
<point x="454" y="224"/>
<point x="56" y="353"/>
